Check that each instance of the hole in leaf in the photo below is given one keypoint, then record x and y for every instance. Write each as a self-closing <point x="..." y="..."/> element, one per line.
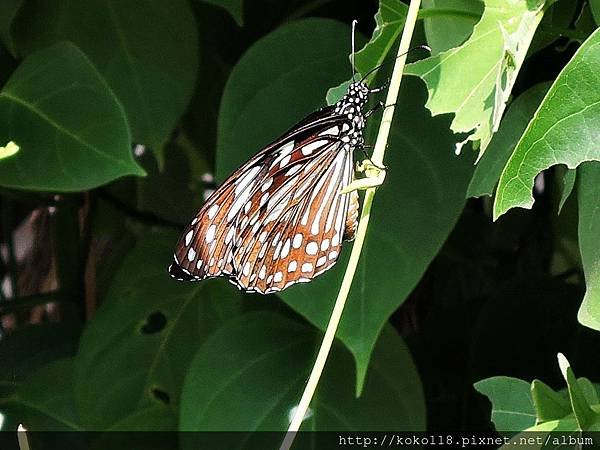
<point x="154" y="323"/>
<point x="161" y="395"/>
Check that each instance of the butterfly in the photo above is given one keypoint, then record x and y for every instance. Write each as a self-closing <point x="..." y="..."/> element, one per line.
<point x="280" y="218"/>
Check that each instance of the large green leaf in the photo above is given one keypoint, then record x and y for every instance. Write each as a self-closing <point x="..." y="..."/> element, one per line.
<point x="474" y="81"/>
<point x="488" y="170"/>
<point x="449" y="22"/>
<point x="588" y="194"/>
<point x="263" y="360"/>
<point x="562" y="131"/>
<point x="146" y="51"/>
<point x="413" y="212"/>
<point x="134" y="353"/>
<point x="512" y="405"/>
<point x="65" y="144"/>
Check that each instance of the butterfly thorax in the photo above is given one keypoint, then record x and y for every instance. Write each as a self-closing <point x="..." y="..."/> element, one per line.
<point x="351" y="105"/>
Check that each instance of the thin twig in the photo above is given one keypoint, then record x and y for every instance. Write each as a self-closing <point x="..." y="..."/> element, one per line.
<point x="377" y="159"/>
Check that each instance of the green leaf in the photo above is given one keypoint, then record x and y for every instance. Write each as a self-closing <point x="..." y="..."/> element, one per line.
<point x="562" y="131"/>
<point x="587" y="418"/>
<point x="147" y="54"/>
<point x="65" y="145"/>
<point x="8" y="11"/>
<point x="588" y="193"/>
<point x="423" y="171"/>
<point x="292" y="68"/>
<point x="589" y="390"/>
<point x="493" y="55"/>
<point x="513" y="125"/>
<point x="512" y="404"/>
<point x="146" y="330"/>
<point x="448" y="23"/>
<point x="549" y="404"/>
<point x="46" y="402"/>
<point x="233" y="7"/>
<point x="261" y="360"/>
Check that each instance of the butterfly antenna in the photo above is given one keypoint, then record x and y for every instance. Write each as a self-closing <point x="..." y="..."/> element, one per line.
<point x="422" y="47"/>
<point x="354" y="22"/>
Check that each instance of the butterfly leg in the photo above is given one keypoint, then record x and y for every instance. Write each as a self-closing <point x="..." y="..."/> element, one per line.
<point x="374" y="176"/>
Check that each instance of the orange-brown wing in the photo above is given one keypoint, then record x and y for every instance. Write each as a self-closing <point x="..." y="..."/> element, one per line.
<point x="207" y="246"/>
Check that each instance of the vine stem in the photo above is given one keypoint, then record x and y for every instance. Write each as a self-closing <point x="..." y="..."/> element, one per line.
<point x="377" y="159"/>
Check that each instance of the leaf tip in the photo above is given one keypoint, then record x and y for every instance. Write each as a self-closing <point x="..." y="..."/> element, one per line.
<point x="563" y="364"/>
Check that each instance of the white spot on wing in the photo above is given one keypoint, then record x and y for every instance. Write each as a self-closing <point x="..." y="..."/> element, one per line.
<point x="297" y="240"/>
<point x="210" y="233"/>
<point x="286" y="248"/>
<point x="285" y="161"/>
<point x="188" y="237"/>
<point x="308" y="149"/>
<point x="312" y="248"/>
<point x="267" y="184"/>
<point x="321" y="261"/>
<point x="330" y="131"/>
<point x="307" y="267"/>
<point x="229" y="236"/>
<point x="213" y="211"/>
<point x="292" y="266"/>
<point x="278" y="277"/>
<point x="292" y="170"/>
<point x="191" y="254"/>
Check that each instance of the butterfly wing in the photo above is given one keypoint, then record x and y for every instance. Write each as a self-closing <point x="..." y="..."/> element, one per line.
<point x="206" y="248"/>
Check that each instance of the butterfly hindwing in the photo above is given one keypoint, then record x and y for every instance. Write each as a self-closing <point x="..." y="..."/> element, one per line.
<point x="301" y="232"/>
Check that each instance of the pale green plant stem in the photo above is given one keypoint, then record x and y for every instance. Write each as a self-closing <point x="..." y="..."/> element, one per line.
<point x="377" y="159"/>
